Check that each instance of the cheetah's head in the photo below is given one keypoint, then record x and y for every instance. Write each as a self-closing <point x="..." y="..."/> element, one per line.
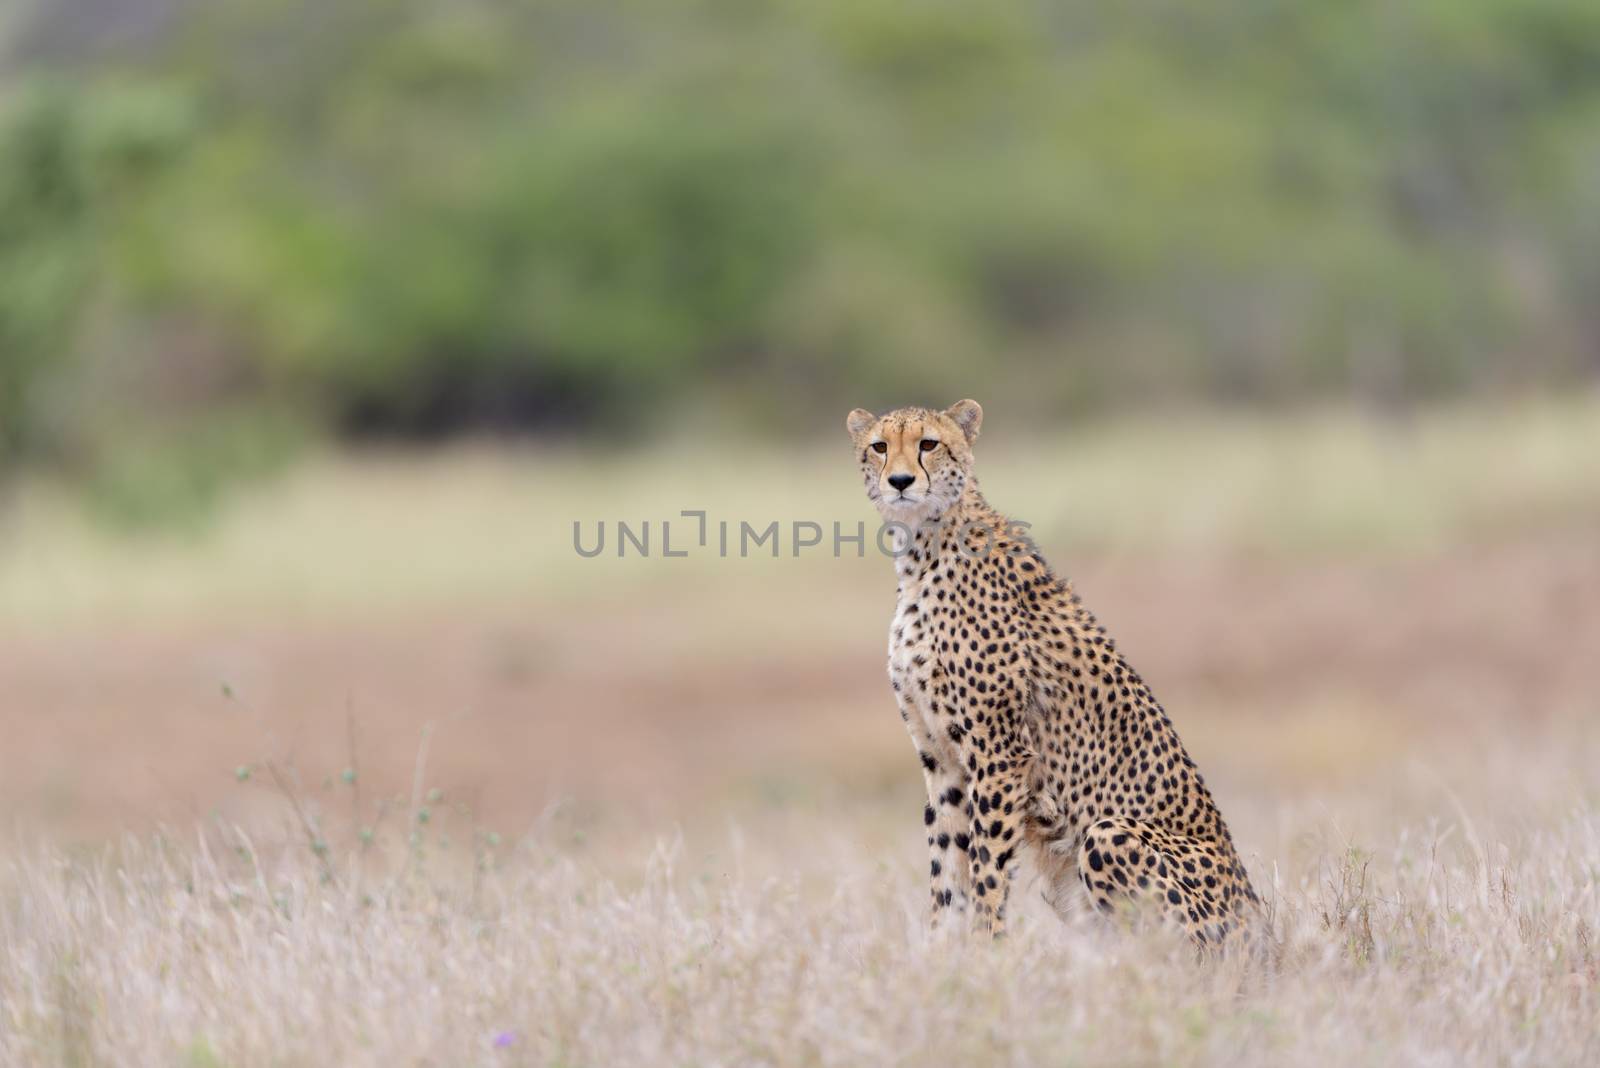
<point x="915" y="461"/>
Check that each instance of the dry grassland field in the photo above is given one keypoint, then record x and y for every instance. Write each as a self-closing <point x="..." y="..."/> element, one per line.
<point x="376" y="770"/>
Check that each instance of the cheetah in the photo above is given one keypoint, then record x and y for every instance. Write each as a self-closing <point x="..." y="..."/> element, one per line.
<point x="1034" y="733"/>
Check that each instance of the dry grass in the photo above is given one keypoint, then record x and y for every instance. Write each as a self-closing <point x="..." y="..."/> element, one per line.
<point x="803" y="945"/>
<point x="1450" y="917"/>
<point x="1377" y="640"/>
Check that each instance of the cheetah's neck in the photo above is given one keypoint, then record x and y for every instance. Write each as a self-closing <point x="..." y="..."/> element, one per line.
<point x="970" y="521"/>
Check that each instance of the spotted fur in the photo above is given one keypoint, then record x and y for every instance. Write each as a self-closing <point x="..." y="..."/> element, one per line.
<point x="1033" y="731"/>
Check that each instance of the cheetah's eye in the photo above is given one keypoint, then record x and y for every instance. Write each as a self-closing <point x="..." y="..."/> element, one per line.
<point x="929" y="444"/>
<point x="880" y="447"/>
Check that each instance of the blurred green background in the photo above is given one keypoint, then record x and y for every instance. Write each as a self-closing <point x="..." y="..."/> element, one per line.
<point x="227" y="227"/>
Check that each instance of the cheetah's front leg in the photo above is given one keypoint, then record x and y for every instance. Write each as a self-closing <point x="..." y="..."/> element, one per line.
<point x="948" y="839"/>
<point x="948" y="828"/>
<point x="996" y="805"/>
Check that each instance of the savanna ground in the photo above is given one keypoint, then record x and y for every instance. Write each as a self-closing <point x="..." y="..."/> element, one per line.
<point x="379" y="771"/>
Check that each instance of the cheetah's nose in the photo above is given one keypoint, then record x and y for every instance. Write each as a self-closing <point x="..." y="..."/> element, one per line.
<point x="900" y="482"/>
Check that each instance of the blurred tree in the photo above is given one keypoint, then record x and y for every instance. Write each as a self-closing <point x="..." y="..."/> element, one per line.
<point x="45" y="259"/>
<point x="413" y="217"/>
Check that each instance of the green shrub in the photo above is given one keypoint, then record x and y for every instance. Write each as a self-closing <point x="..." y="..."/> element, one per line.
<point x="416" y="218"/>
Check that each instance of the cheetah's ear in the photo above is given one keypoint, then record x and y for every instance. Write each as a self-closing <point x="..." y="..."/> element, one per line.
<point x="859" y="420"/>
<point x="968" y="415"/>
